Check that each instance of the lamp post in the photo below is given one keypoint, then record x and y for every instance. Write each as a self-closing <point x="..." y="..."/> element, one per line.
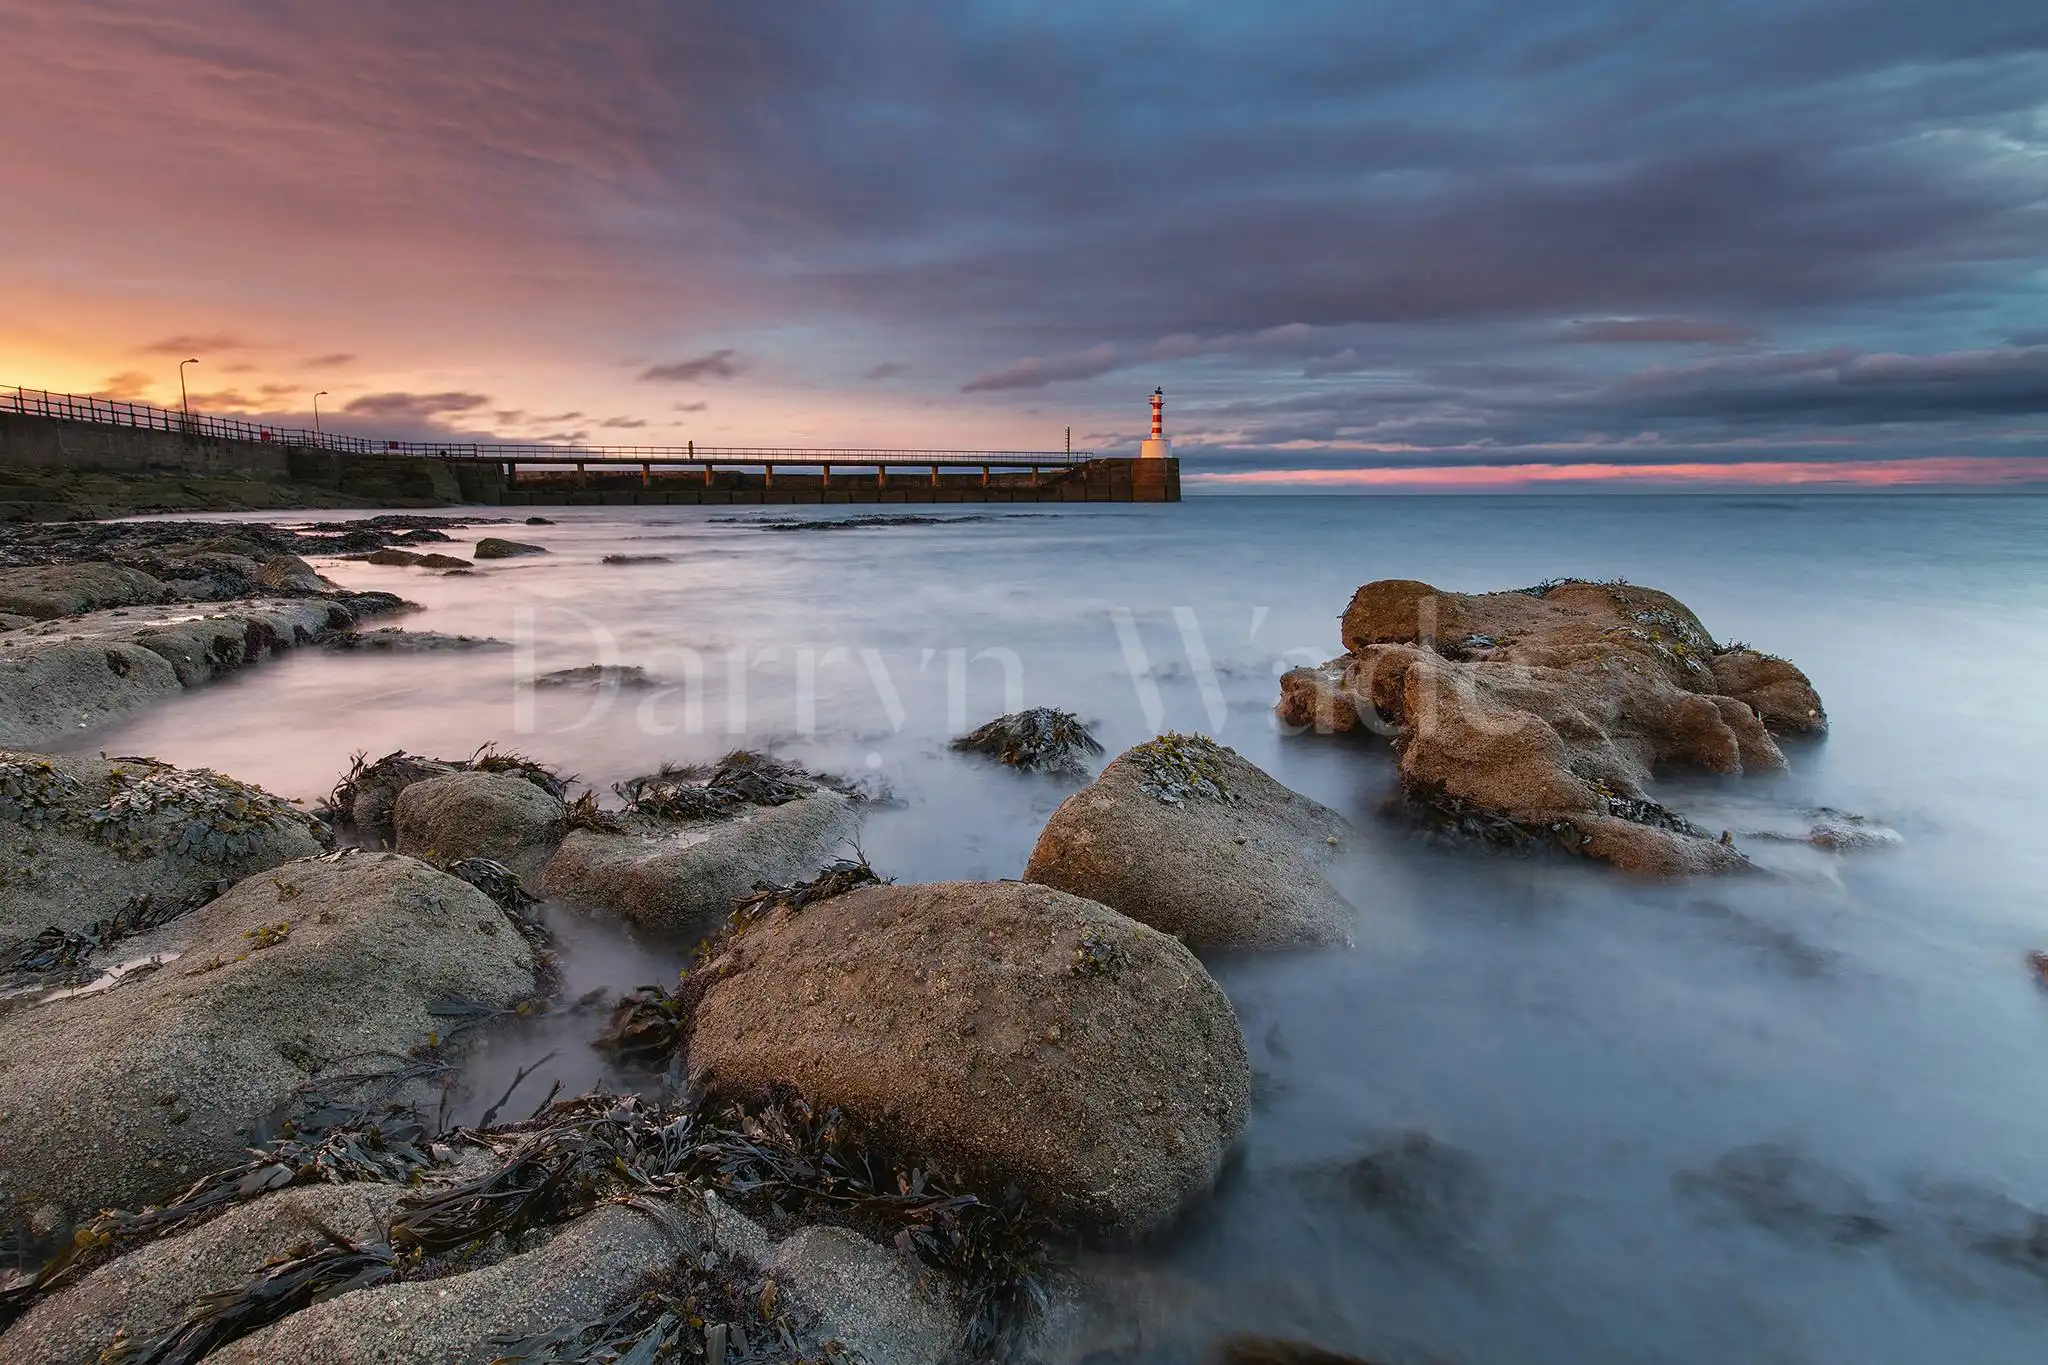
<point x="184" y="398"/>
<point x="316" y="413"/>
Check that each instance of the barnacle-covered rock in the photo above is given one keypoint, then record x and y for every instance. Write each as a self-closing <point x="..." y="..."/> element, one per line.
<point x="1540" y="715"/>
<point x="365" y="797"/>
<point x="1014" y="1033"/>
<point x="1185" y="835"/>
<point x="500" y="816"/>
<point x="123" y="1096"/>
<point x="106" y="848"/>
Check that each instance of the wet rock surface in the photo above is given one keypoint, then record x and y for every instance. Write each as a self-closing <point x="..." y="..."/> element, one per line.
<point x="497" y="815"/>
<point x="362" y="802"/>
<point x="1015" y="1033"/>
<point x="1184" y="835"/>
<point x="1540" y="716"/>
<point x="398" y="640"/>
<point x="299" y="975"/>
<point x="595" y="677"/>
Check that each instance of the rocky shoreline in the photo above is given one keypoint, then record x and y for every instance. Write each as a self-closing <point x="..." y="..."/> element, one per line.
<point x="878" y="1116"/>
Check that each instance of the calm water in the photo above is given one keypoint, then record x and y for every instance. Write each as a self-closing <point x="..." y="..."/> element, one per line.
<point x="1592" y="1044"/>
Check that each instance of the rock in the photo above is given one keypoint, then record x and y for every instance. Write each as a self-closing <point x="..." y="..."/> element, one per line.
<point x="365" y="796"/>
<point x="1184" y="835"/>
<point x="538" y="521"/>
<point x="2037" y="962"/>
<point x="47" y="592"/>
<point x="500" y="816"/>
<point x="639" y="559"/>
<point x="869" y="1297"/>
<point x="62" y="676"/>
<point x="1539" y="716"/>
<point x="144" y="1294"/>
<point x="1431" y="1188"/>
<point x="491" y="547"/>
<point x="9" y="621"/>
<point x="201" y="645"/>
<point x="593" y="677"/>
<point x="1314" y="699"/>
<point x="440" y="561"/>
<point x="124" y="1097"/>
<point x="289" y="573"/>
<point x="1782" y="1190"/>
<point x="50" y="690"/>
<point x="1010" y="1033"/>
<point x="683" y="876"/>
<point x="87" y="840"/>
<point x="1841" y="832"/>
<point x="579" y="1274"/>
<point x="392" y="558"/>
<point x="1043" y="739"/>
<point x="396" y="640"/>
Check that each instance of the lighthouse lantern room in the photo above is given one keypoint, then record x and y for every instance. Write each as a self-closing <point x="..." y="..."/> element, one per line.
<point x="1158" y="447"/>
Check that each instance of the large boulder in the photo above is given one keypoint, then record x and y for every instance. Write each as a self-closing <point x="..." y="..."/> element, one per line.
<point x="143" y="1295"/>
<point x="55" y="688"/>
<point x="498" y="815"/>
<point x="49" y="591"/>
<point x="1541" y="715"/>
<point x="122" y="1097"/>
<point x="683" y="875"/>
<point x="1011" y="1032"/>
<point x="1185" y="835"/>
<point x="113" y="846"/>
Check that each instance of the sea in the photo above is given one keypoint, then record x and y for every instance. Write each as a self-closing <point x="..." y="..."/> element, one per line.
<point x="1542" y="1113"/>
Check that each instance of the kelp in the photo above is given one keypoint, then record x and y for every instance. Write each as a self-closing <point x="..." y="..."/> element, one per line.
<point x="280" y="1290"/>
<point x="1041" y="739"/>
<point x="35" y="794"/>
<point x="741" y="778"/>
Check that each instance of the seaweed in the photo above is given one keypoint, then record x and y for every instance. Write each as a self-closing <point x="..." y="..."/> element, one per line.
<point x="281" y="1289"/>
<point x="213" y="817"/>
<point x="34" y="794"/>
<point x="741" y="778"/>
<point x="1179" y="768"/>
<point x="1042" y="739"/>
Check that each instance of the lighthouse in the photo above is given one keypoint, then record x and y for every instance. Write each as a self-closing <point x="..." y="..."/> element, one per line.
<point x="1158" y="447"/>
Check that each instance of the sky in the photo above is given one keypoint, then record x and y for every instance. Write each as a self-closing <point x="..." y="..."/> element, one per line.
<point x="1362" y="246"/>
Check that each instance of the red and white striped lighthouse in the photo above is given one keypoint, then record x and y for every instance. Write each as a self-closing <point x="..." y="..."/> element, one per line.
<point x="1158" y="447"/>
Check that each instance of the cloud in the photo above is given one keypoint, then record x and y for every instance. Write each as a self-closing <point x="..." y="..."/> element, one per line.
<point x="699" y="406"/>
<point x="199" y="345"/>
<point x="414" y="406"/>
<point x="1650" y="330"/>
<point x="720" y="364"/>
<point x="129" y="386"/>
<point x="1036" y="372"/>
<point x="888" y="369"/>
<point x="333" y="361"/>
<point x="626" y="423"/>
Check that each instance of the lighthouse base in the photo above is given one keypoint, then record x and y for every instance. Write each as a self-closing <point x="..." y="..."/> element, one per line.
<point x="1157" y="448"/>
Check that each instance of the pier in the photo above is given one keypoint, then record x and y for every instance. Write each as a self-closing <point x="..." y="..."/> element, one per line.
<point x="54" y="431"/>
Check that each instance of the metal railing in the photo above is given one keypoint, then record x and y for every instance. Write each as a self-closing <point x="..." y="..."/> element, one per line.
<point x="73" y="407"/>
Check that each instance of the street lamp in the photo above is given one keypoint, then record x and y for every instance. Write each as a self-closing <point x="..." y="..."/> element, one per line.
<point x="316" y="413"/>
<point x="184" y="398"/>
